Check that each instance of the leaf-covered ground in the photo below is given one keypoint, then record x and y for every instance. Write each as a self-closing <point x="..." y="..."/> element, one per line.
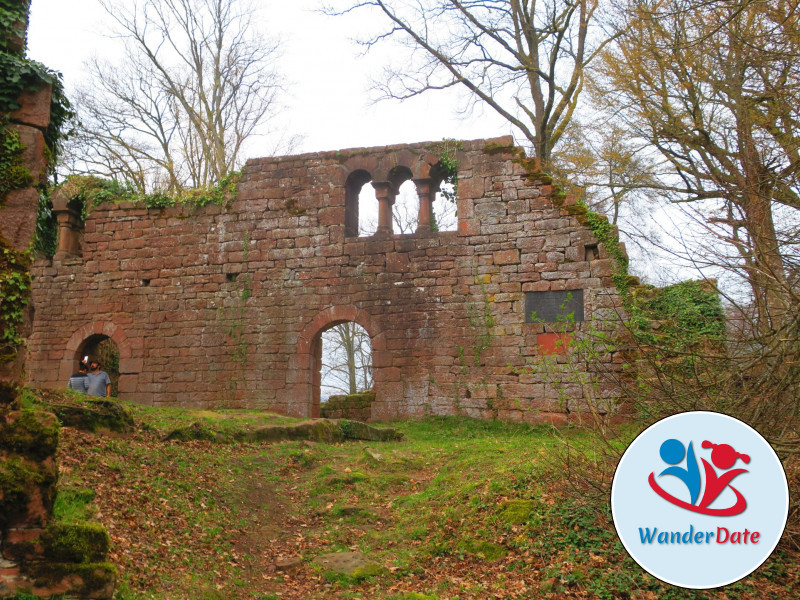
<point x="203" y="520"/>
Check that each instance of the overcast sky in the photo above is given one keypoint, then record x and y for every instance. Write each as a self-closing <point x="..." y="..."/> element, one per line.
<point x="328" y="101"/>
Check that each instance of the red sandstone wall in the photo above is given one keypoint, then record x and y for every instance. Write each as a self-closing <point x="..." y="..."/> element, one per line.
<point x="169" y="287"/>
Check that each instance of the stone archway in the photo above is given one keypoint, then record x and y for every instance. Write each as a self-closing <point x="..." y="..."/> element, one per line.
<point x="129" y="365"/>
<point x="306" y="376"/>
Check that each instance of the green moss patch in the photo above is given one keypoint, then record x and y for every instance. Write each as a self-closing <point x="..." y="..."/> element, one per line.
<point x="485" y="550"/>
<point x="19" y="478"/>
<point x="368" y="571"/>
<point x="30" y="433"/>
<point x="75" y="542"/>
<point x="317" y="430"/>
<point x="93" y="415"/>
<point x="516" y="512"/>
<point x="195" y="431"/>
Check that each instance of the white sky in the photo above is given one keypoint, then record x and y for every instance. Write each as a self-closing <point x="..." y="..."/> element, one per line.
<point x="328" y="101"/>
<point x="329" y="80"/>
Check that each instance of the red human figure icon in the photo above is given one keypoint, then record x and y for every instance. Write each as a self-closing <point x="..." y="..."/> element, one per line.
<point x="724" y="457"/>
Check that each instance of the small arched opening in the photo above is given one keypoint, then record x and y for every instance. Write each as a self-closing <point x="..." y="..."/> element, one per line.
<point x="405" y="212"/>
<point x="445" y="203"/>
<point x="354" y="216"/>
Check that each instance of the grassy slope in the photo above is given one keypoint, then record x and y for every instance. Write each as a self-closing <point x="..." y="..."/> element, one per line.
<point x="203" y="520"/>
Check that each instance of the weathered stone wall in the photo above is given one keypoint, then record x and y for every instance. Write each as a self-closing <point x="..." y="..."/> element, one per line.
<point x="356" y="407"/>
<point x="32" y="556"/>
<point x="224" y="306"/>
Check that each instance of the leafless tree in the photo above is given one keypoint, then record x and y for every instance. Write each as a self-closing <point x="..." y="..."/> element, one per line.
<point x="194" y="83"/>
<point x="346" y="359"/>
<point x="526" y="59"/>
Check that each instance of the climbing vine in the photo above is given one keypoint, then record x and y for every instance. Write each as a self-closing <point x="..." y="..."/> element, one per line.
<point x="14" y="175"/>
<point x="607" y="235"/>
<point x="447" y="152"/>
<point x="15" y="282"/>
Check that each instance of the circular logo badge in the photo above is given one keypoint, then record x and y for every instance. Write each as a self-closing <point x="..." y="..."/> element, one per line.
<point x="699" y="500"/>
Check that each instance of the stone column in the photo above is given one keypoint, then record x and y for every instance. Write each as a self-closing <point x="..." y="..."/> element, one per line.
<point x="386" y="195"/>
<point x="427" y="193"/>
<point x="70" y="227"/>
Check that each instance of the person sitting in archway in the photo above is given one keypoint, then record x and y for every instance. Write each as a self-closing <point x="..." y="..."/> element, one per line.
<point x="99" y="381"/>
<point x="79" y="381"/>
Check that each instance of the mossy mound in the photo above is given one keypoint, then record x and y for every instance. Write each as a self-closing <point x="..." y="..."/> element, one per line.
<point x="31" y="433"/>
<point x="346" y="478"/>
<point x="75" y="542"/>
<point x="485" y="550"/>
<point x="94" y="415"/>
<point x="516" y="512"/>
<point x="315" y="430"/>
<point x="352" y="565"/>
<point x="194" y="432"/>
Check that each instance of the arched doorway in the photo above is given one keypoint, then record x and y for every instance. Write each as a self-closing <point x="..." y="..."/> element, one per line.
<point x="346" y="365"/>
<point x="102" y="348"/>
<point x="107" y="342"/>
<point x="307" y="374"/>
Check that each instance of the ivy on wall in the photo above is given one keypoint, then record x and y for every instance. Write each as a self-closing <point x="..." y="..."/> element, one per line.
<point x="14" y="175"/>
<point x="88" y="192"/>
<point x="17" y="76"/>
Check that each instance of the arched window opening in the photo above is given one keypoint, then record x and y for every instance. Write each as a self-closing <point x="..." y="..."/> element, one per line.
<point x="368" y="211"/>
<point x="346" y="365"/>
<point x="354" y="205"/>
<point x="103" y="349"/>
<point x="445" y="214"/>
<point x="405" y="212"/>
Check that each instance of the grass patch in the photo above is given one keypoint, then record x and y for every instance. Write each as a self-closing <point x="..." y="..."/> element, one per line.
<point x="199" y="519"/>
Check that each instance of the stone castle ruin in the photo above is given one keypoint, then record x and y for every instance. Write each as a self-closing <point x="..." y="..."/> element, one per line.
<point x="224" y="306"/>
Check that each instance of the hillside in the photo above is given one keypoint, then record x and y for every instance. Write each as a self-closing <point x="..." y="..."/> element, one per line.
<point x="459" y="509"/>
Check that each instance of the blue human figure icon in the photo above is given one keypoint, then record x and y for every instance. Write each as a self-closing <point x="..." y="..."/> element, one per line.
<point x="672" y="452"/>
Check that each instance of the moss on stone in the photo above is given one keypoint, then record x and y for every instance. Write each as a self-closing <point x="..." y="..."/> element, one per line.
<point x="30" y="433"/>
<point x="94" y="415"/>
<point x="19" y="478"/>
<point x="195" y="431"/>
<point x="317" y="430"/>
<point x="487" y="550"/>
<point x="75" y="542"/>
<point x="516" y="512"/>
<point x="88" y="580"/>
<point x="369" y="570"/>
<point x="492" y="148"/>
